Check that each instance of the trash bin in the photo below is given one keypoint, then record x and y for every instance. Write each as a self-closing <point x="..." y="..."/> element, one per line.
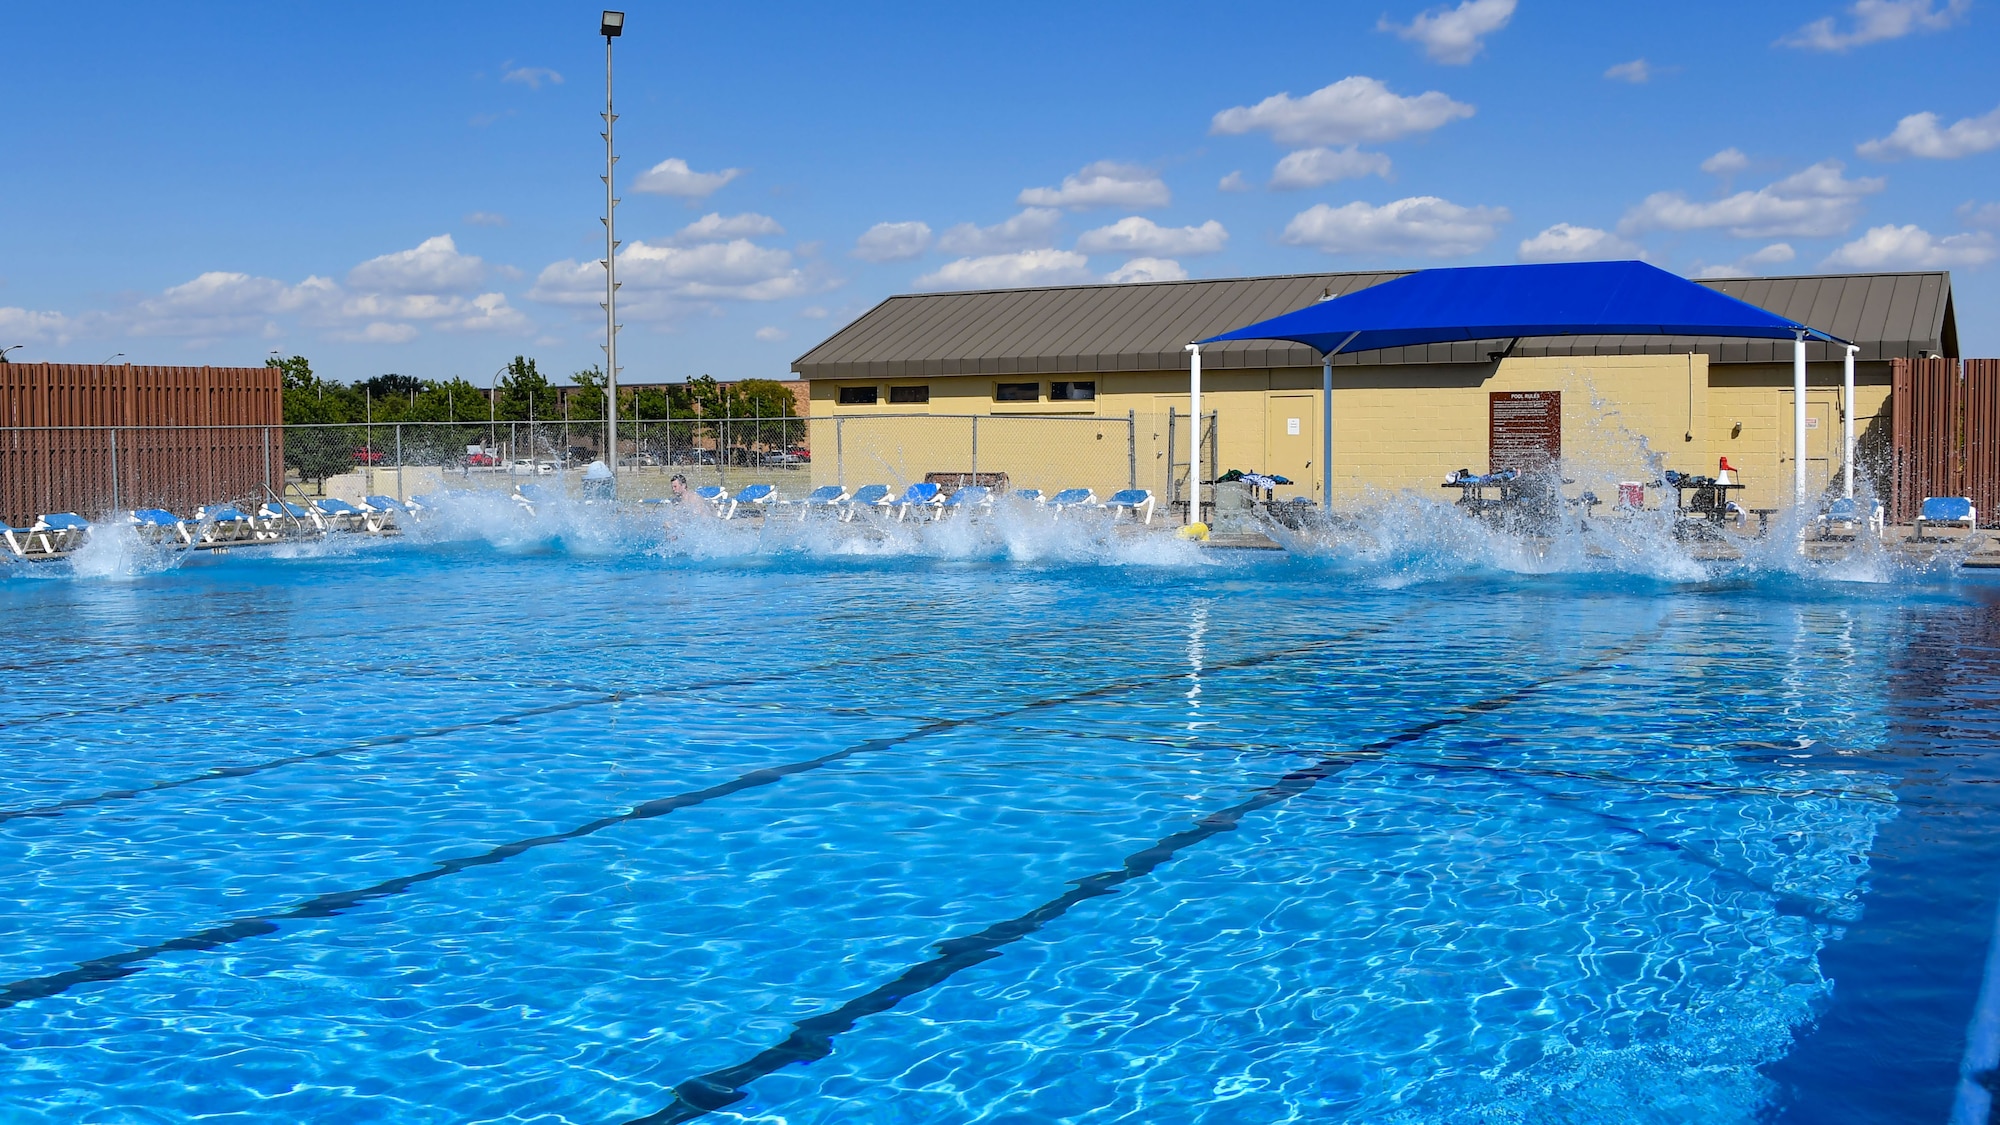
<point x="597" y="483"/>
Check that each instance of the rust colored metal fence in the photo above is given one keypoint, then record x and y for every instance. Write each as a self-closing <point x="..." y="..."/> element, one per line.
<point x="92" y="438"/>
<point x="1946" y="435"/>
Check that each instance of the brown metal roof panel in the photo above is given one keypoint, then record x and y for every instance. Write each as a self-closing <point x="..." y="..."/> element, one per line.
<point x="1901" y="327"/>
<point x="1930" y="310"/>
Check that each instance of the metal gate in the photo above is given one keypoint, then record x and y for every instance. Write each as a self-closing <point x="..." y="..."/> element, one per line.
<point x="1946" y="435"/>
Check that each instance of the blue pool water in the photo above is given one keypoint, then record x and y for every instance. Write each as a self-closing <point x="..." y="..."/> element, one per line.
<point x="531" y="827"/>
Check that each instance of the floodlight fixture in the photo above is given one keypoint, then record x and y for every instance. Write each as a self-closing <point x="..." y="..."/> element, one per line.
<point x="612" y="25"/>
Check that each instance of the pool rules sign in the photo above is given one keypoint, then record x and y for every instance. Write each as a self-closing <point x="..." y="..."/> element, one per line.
<point x="1524" y="430"/>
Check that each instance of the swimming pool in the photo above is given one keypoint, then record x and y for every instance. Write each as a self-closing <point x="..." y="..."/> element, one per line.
<point x="563" y="829"/>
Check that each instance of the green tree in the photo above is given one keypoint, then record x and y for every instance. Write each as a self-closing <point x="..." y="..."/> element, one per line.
<point x="586" y="402"/>
<point x="310" y="399"/>
<point x="526" y="389"/>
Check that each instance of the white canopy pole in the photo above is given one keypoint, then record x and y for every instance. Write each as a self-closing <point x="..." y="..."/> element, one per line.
<point x="1847" y="411"/>
<point x="1326" y="418"/>
<point x="1194" y="434"/>
<point x="1799" y="418"/>
<point x="1326" y="432"/>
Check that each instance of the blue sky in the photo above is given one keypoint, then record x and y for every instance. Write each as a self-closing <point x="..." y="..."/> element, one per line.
<point x="413" y="188"/>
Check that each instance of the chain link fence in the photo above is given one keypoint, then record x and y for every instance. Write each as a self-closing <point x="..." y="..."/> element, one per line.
<point x="94" y="470"/>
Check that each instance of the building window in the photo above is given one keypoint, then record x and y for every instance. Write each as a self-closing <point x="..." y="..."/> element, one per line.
<point x="857" y="396"/>
<point x="909" y="394"/>
<point x="1072" y="392"/>
<point x="1017" y="392"/>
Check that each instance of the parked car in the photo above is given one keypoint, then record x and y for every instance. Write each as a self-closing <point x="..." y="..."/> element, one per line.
<point x="368" y="455"/>
<point x="524" y="467"/>
<point x="482" y="460"/>
<point x="780" y="458"/>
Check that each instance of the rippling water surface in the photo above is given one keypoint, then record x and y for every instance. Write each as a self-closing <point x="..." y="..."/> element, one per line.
<point x="564" y="826"/>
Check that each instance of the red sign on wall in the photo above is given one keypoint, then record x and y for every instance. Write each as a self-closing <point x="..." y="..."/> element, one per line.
<point x="1525" y="430"/>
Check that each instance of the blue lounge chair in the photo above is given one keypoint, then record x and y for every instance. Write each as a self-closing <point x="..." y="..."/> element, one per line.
<point x="156" y="524"/>
<point x="867" y="496"/>
<point x="756" y="496"/>
<point x="1936" y="510"/>
<point x="971" y="498"/>
<point x="923" y="496"/>
<point x="1073" y="498"/>
<point x="224" y="524"/>
<point x="343" y="516"/>
<point x="387" y="511"/>
<point x="1137" y="501"/>
<point x="55" y="534"/>
<point x="827" y="497"/>
<point x="1846" y="511"/>
<point x="529" y="495"/>
<point x="1029" y="496"/>
<point x="716" y="496"/>
<point x="282" y="518"/>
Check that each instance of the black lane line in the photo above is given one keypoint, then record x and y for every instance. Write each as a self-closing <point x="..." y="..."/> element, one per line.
<point x="1785" y="902"/>
<point x="58" y="808"/>
<point x="812" y="1038"/>
<point x="218" y="773"/>
<point x="127" y="962"/>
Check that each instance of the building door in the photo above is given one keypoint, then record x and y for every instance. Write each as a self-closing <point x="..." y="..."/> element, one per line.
<point x="1821" y="443"/>
<point x="1291" y="443"/>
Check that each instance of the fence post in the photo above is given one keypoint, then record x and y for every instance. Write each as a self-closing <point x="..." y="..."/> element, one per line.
<point x="975" y="450"/>
<point x="267" y="459"/>
<point x="399" y="462"/>
<point x="114" y="468"/>
<point x="839" y="469"/>
<point x="1131" y="449"/>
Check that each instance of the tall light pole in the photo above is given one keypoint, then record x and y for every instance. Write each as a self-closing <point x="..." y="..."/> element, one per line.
<point x="610" y="26"/>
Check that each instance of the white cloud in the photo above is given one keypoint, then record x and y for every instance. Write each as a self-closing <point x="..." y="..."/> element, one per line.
<point x="1147" y="269"/>
<point x="815" y="312"/>
<point x="1564" y="242"/>
<point x="672" y="176"/>
<point x="1008" y="271"/>
<point x="1638" y="72"/>
<point x="1814" y="203"/>
<point x="1876" y="21"/>
<point x="19" y="325"/>
<point x="486" y="219"/>
<point x="222" y="303"/>
<point x="432" y="266"/>
<point x="1919" y="135"/>
<point x="532" y="76"/>
<point x="1234" y="181"/>
<point x="378" y="332"/>
<point x="1776" y="254"/>
<point x="1136" y="235"/>
<point x="1985" y="215"/>
<point x="1728" y="162"/>
<point x="771" y="333"/>
<point x="1454" y="35"/>
<point x="1356" y="108"/>
<point x="1422" y="224"/>
<point x="1031" y="229"/>
<point x="893" y="242"/>
<point x="657" y="275"/>
<point x="716" y="227"/>
<point x="1105" y="183"/>
<point x="1311" y="167"/>
<point x="1911" y="247"/>
<point x="488" y="312"/>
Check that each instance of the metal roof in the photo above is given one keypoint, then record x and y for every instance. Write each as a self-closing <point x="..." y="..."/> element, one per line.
<point x="1145" y="326"/>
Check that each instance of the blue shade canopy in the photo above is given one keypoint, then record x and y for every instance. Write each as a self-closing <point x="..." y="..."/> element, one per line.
<point x="1502" y="302"/>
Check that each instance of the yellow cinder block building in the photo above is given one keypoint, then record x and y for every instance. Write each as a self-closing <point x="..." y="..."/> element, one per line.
<point x="1088" y="386"/>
